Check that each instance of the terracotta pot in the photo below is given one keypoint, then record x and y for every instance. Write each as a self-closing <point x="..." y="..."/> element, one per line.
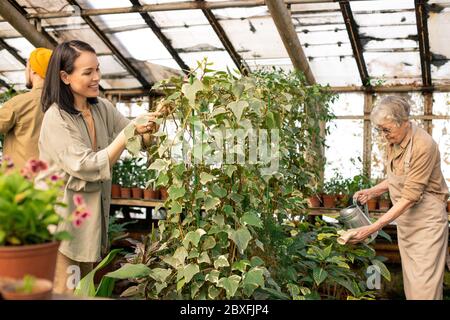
<point x="38" y="260"/>
<point x="372" y="204"/>
<point x="115" y="191"/>
<point x="329" y="200"/>
<point x="125" y="193"/>
<point x="342" y="200"/>
<point x="314" y="201"/>
<point x="384" y="204"/>
<point x="150" y="194"/>
<point x="42" y="290"/>
<point x="136" y="193"/>
<point x="448" y="206"/>
<point x="163" y="193"/>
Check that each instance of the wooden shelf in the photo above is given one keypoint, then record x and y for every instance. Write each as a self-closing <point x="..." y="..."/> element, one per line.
<point x="136" y="202"/>
<point x="335" y="211"/>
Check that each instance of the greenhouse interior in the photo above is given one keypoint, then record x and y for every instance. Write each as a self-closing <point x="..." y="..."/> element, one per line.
<point x="224" y="150"/>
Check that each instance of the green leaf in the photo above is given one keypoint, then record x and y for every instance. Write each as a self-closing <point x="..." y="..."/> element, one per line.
<point x="204" y="258"/>
<point x="240" y="265"/>
<point x="180" y="254"/>
<point x="160" y="274"/>
<point x="134" y="145"/>
<point x="319" y="275"/>
<point x="237" y="107"/>
<point x="241" y="237"/>
<point x="209" y="243"/>
<point x="254" y="277"/>
<point x="205" y="178"/>
<point x="190" y="90"/>
<point x="86" y="287"/>
<point x="219" y="191"/>
<point x="230" y="284"/>
<point x="159" y="165"/>
<point x="160" y="286"/>
<point x="230" y="169"/>
<point x="130" y="271"/>
<point x="384" y="235"/>
<point x="322" y="236"/>
<point x="213" y="276"/>
<point x="193" y="237"/>
<point x="213" y="292"/>
<point x="189" y="271"/>
<point x="270" y="120"/>
<point x="256" y="261"/>
<point x="175" y="192"/>
<point x="175" y="208"/>
<point x="211" y="203"/>
<point x="237" y="89"/>
<point x="252" y="219"/>
<point x="221" y="261"/>
<point x="383" y="269"/>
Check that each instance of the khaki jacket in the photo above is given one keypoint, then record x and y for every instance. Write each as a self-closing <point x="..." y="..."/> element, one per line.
<point x="65" y="144"/>
<point x="20" y="121"/>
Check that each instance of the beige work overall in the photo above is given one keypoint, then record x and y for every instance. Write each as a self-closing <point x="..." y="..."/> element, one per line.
<point x="422" y="239"/>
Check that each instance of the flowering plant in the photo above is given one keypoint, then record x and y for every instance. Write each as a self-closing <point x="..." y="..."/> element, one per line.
<point x="28" y="206"/>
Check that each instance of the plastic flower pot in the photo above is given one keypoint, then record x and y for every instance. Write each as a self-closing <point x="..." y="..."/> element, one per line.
<point x="150" y="194"/>
<point x="314" y="201"/>
<point x="372" y="204"/>
<point x="329" y="200"/>
<point x="125" y="193"/>
<point x="163" y="193"/>
<point x="136" y="193"/>
<point x="115" y="191"/>
<point x="38" y="260"/>
<point x="41" y="290"/>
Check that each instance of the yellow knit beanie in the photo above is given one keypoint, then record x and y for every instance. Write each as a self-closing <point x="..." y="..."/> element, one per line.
<point x="39" y="60"/>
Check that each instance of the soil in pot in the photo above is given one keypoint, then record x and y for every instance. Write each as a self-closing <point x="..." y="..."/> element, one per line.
<point x="314" y="201"/>
<point x="115" y="191"/>
<point x="136" y="193"/>
<point x="41" y="290"/>
<point x="125" y="193"/>
<point x="38" y="260"/>
<point x="329" y="200"/>
<point x="150" y="194"/>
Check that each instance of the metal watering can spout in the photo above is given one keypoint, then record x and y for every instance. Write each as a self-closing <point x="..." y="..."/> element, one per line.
<point x="354" y="217"/>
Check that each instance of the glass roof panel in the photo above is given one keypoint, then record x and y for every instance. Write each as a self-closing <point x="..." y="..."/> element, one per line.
<point x="108" y="65"/>
<point x="439" y="37"/>
<point x="86" y="35"/>
<point x="381" y="5"/>
<point x="221" y="59"/>
<point x="344" y="71"/>
<point x="123" y="83"/>
<point x="22" y="45"/>
<point x="95" y="4"/>
<point x="251" y="36"/>
<point x="196" y="38"/>
<point x="8" y="62"/>
<point x="14" y="77"/>
<point x="441" y="130"/>
<point x="394" y="67"/>
<point x="348" y="104"/>
<point x="257" y="64"/>
<point x="7" y="31"/>
<point x="179" y="18"/>
<point x="118" y="20"/>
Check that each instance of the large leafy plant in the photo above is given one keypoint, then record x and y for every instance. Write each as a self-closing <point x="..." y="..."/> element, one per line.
<point x="209" y="247"/>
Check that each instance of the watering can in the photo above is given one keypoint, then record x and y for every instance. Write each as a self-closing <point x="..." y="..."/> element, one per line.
<point x="354" y="217"/>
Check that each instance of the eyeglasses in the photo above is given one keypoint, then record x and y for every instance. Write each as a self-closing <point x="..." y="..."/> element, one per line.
<point x="383" y="130"/>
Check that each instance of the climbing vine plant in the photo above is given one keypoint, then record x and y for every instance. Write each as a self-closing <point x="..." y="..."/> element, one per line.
<point x="243" y="158"/>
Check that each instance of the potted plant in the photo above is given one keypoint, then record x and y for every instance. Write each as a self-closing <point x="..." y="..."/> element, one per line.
<point x="126" y="178"/>
<point x="28" y="220"/>
<point x="330" y="194"/>
<point x="384" y="201"/>
<point x="29" y="288"/>
<point x="116" y="180"/>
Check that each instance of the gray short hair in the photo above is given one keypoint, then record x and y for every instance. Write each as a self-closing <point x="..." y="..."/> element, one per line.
<point x="391" y="108"/>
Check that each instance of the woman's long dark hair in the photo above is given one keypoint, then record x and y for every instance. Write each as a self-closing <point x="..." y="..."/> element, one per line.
<point x="55" y="90"/>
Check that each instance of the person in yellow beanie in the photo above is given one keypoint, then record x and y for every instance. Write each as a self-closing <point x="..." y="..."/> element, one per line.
<point x="21" y="116"/>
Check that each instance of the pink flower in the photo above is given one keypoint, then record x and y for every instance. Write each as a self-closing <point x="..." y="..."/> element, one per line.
<point x="85" y="215"/>
<point x="54" y="178"/>
<point x="33" y="167"/>
<point x="77" y="223"/>
<point x="78" y="200"/>
<point x="9" y="163"/>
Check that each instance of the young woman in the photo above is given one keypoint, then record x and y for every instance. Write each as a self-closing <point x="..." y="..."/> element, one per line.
<point x="81" y="138"/>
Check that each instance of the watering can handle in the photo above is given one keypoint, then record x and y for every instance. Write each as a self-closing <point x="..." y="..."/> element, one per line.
<point x="358" y="204"/>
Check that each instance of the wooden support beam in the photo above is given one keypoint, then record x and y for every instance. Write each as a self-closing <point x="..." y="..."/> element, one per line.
<point x="13" y="14"/>
<point x="355" y="41"/>
<point x="181" y="5"/>
<point x="220" y="32"/>
<point x="367" y="135"/>
<point x="160" y="35"/>
<point x="424" y="43"/>
<point x="128" y="66"/>
<point x="283" y="21"/>
<point x="428" y="111"/>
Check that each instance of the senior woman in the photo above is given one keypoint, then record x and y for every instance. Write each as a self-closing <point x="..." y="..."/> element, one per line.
<point x="419" y="193"/>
